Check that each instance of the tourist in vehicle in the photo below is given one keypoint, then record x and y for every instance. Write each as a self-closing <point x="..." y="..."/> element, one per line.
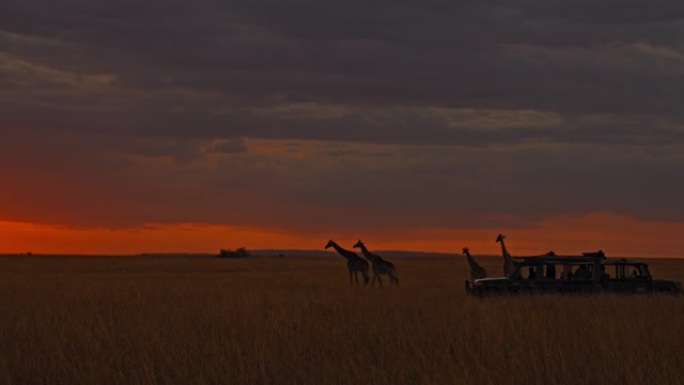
<point x="531" y="273"/>
<point x="582" y="272"/>
<point x="551" y="271"/>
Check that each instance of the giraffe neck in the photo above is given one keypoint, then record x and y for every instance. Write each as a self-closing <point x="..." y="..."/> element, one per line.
<point x="340" y="250"/>
<point x="509" y="263"/>
<point x="471" y="262"/>
<point x="367" y="253"/>
<point x="503" y="250"/>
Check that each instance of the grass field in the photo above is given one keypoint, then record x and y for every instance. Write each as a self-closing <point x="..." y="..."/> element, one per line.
<point x="190" y="320"/>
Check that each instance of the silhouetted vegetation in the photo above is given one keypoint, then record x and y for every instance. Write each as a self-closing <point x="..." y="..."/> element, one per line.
<point x="238" y="253"/>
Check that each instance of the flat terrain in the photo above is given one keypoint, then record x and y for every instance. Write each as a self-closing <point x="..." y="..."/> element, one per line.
<point x="296" y="320"/>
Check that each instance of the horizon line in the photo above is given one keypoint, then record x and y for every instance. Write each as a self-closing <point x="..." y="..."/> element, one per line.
<point x="282" y="251"/>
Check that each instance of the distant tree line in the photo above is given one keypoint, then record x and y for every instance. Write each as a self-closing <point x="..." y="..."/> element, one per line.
<point x="237" y="253"/>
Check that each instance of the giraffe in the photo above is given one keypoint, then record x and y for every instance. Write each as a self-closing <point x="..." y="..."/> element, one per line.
<point x="509" y="263"/>
<point x="380" y="266"/>
<point x="476" y="271"/>
<point x="355" y="264"/>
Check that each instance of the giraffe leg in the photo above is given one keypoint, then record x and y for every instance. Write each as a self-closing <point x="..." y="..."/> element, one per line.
<point x="379" y="279"/>
<point x="392" y="273"/>
<point x="350" y="277"/>
<point x="375" y="275"/>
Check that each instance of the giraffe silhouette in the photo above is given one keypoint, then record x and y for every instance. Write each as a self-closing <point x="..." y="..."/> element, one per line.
<point x="380" y="266"/>
<point x="355" y="264"/>
<point x="509" y="263"/>
<point x="476" y="271"/>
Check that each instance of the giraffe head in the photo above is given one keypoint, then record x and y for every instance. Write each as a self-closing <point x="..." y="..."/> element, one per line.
<point x="329" y="244"/>
<point x="466" y="251"/>
<point x="358" y="244"/>
<point x="500" y="238"/>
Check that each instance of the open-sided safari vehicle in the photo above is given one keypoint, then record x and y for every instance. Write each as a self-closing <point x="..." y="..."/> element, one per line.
<point x="589" y="273"/>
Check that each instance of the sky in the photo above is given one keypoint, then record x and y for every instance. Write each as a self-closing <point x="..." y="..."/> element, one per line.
<point x="159" y="126"/>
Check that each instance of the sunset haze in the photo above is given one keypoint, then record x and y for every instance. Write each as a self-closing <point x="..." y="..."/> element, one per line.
<point x="143" y="126"/>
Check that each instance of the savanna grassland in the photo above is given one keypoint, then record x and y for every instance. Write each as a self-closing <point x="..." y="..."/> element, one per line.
<point x="296" y="320"/>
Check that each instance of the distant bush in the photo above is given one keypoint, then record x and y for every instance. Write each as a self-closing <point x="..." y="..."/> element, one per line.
<point x="238" y="253"/>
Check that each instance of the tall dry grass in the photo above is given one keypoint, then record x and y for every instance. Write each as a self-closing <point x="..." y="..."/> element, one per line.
<point x="127" y="320"/>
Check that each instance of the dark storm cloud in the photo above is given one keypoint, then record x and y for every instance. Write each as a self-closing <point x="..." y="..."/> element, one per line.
<point x="576" y="105"/>
<point x="611" y="11"/>
<point x="375" y="52"/>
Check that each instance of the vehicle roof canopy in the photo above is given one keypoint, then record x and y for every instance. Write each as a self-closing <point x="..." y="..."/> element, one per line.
<point x="578" y="260"/>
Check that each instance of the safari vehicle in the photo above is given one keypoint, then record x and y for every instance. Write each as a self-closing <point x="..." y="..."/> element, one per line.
<point x="589" y="273"/>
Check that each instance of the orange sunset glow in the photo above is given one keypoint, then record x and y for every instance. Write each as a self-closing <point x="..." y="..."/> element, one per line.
<point x="618" y="236"/>
<point x="208" y="127"/>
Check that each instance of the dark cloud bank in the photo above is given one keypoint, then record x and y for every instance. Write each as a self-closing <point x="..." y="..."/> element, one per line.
<point x="412" y="113"/>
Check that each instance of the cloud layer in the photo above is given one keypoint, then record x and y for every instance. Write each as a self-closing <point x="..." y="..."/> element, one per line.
<point x="328" y="116"/>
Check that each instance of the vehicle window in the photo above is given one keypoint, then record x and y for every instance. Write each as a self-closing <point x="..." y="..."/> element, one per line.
<point x="566" y="273"/>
